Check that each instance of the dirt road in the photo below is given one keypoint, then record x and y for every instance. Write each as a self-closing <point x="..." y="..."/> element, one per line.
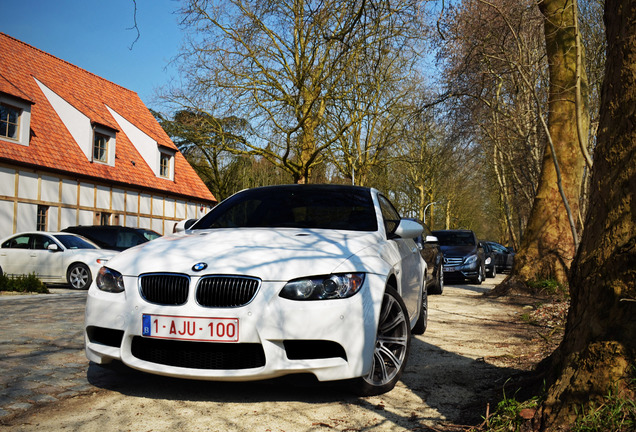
<point x="472" y="346"/>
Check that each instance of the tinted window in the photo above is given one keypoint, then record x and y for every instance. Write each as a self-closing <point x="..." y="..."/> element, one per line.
<point x="296" y="206"/>
<point x="18" y="242"/>
<point x="74" y="242"/>
<point x="41" y="241"/>
<point x="455" y="238"/>
<point x="389" y="214"/>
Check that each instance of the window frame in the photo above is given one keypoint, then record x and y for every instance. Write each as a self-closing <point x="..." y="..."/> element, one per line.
<point x="42" y="218"/>
<point x="98" y="139"/>
<point x="23" y="107"/>
<point x="169" y="156"/>
<point x="7" y="122"/>
<point x="165" y="168"/>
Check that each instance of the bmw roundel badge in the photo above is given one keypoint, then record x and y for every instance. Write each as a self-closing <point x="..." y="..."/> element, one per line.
<point x="199" y="266"/>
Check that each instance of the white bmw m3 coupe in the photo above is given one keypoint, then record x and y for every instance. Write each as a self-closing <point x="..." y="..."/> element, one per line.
<point x="318" y="279"/>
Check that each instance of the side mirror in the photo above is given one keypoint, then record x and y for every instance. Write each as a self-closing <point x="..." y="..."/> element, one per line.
<point x="408" y="229"/>
<point x="183" y="225"/>
<point x="431" y="239"/>
<point x="53" y="247"/>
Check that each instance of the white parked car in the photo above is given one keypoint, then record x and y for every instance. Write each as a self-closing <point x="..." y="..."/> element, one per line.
<point x="319" y="279"/>
<point x="55" y="258"/>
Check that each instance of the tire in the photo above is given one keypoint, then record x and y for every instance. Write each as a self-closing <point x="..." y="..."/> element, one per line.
<point x="493" y="273"/>
<point x="79" y="276"/>
<point x="393" y="340"/>
<point x="422" y="321"/>
<point x="438" y="287"/>
<point x="480" y="276"/>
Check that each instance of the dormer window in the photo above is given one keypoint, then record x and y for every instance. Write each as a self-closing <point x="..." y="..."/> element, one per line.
<point x="15" y="119"/>
<point x="100" y="148"/>
<point x="9" y="122"/>
<point x="165" y="165"/>
<point x="103" y="145"/>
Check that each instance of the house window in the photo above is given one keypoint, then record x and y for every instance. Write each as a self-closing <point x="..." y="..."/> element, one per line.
<point x="164" y="165"/>
<point x="9" y="121"/>
<point x="100" y="148"/>
<point x="42" y="217"/>
<point x="101" y="218"/>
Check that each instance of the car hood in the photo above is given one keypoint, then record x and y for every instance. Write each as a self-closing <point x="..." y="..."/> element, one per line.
<point x="270" y="254"/>
<point x="459" y="251"/>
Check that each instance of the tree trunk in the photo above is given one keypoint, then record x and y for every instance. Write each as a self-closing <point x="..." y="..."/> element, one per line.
<point x="597" y="354"/>
<point x="548" y="246"/>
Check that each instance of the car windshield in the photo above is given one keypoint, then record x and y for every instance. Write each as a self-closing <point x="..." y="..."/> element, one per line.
<point x="74" y="242"/>
<point x="455" y="238"/>
<point x="295" y="206"/>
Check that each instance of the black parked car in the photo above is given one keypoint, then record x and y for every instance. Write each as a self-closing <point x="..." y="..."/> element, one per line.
<point x="463" y="255"/>
<point x="489" y="260"/>
<point x="114" y="237"/>
<point x="503" y="257"/>
<point x="434" y="257"/>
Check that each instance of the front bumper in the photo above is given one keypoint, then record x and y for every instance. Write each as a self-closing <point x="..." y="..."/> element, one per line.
<point x="332" y="339"/>
<point x="461" y="271"/>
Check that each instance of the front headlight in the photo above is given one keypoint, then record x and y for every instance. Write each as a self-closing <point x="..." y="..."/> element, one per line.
<point x="335" y="286"/>
<point x="109" y="280"/>
<point x="488" y="260"/>
<point x="471" y="259"/>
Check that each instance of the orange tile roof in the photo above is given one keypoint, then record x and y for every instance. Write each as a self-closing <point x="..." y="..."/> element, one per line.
<point x="52" y="146"/>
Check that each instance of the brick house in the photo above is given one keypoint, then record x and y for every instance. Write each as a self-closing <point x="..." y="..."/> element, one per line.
<point x="76" y="149"/>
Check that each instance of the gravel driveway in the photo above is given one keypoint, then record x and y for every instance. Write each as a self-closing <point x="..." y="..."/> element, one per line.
<point x="473" y="344"/>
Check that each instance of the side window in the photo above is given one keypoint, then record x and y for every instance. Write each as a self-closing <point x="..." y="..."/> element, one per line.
<point x="390" y="216"/>
<point x="427" y="231"/>
<point x="41" y="242"/>
<point x="19" y="242"/>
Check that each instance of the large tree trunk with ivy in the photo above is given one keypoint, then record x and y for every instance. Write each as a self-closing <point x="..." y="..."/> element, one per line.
<point x="548" y="245"/>
<point x="597" y="355"/>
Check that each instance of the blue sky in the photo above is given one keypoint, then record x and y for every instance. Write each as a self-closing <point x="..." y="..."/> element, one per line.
<point x="94" y="35"/>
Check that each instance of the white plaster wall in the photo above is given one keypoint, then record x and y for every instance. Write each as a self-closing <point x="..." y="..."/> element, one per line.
<point x="87" y="195"/>
<point x="169" y="208"/>
<point x="157" y="225"/>
<point x="68" y="217"/>
<point x="103" y="197"/>
<point x="69" y="192"/>
<point x="50" y="189"/>
<point x="118" y="201"/>
<point x="144" y="205"/>
<point x="145" y="145"/>
<point x="28" y="219"/>
<point x="145" y="222"/>
<point x="192" y="211"/>
<point x="131" y="221"/>
<point x="85" y="217"/>
<point x="28" y="186"/>
<point x="6" y="214"/>
<point x="77" y="123"/>
<point x="132" y="202"/>
<point x="53" y="219"/>
<point x="7" y="182"/>
<point x="181" y="210"/>
<point x="157" y="206"/>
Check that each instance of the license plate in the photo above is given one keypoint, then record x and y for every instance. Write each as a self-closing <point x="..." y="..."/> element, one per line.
<point x="190" y="328"/>
<point x="450" y="269"/>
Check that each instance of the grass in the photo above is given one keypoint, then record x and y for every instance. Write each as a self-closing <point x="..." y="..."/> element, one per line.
<point x="617" y="413"/>
<point x="550" y="287"/>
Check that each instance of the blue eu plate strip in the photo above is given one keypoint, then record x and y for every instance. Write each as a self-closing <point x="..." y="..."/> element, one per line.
<point x="146" y="325"/>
